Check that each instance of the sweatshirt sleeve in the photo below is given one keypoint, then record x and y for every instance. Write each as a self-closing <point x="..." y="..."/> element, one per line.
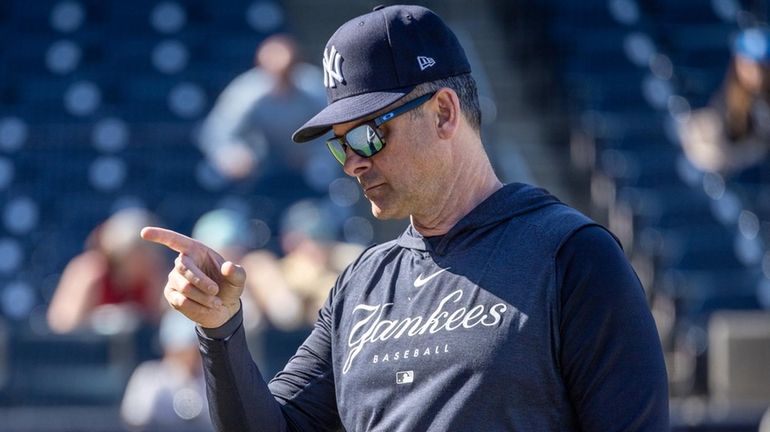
<point x="611" y="356"/>
<point x="300" y="398"/>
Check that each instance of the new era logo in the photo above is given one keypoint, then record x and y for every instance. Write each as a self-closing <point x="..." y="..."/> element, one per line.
<point x="404" y="377"/>
<point x="425" y="62"/>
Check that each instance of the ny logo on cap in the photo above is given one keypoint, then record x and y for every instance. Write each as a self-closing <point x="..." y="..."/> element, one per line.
<point x="425" y="62"/>
<point x="332" y="72"/>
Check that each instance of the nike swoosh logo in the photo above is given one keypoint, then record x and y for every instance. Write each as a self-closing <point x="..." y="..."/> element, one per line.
<point x="420" y="281"/>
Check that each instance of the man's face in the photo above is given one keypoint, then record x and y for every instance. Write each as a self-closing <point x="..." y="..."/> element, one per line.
<point x="403" y="178"/>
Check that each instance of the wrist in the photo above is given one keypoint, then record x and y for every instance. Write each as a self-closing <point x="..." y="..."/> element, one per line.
<point x="225" y="330"/>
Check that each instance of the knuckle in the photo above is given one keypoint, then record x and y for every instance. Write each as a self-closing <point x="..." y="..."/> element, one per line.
<point x="179" y="264"/>
<point x="192" y="277"/>
<point x="173" y="300"/>
<point x="176" y="300"/>
<point x="186" y="288"/>
<point x="168" y="290"/>
<point x="186" y="260"/>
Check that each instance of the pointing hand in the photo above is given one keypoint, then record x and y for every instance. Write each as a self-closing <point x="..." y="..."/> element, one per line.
<point x="202" y="285"/>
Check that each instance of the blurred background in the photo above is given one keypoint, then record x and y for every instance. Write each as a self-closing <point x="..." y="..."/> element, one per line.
<point x="651" y="116"/>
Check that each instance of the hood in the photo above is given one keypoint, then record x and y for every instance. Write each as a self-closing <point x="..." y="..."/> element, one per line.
<point x="510" y="201"/>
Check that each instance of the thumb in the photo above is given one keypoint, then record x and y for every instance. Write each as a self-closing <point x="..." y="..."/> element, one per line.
<point x="233" y="273"/>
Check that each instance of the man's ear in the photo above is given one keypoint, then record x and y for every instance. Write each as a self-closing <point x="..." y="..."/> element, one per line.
<point x="447" y="112"/>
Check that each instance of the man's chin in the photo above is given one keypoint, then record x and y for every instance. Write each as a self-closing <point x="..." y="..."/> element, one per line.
<point x="378" y="213"/>
<point x="381" y="213"/>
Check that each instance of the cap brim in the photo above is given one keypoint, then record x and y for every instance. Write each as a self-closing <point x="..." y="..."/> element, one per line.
<point x="347" y="109"/>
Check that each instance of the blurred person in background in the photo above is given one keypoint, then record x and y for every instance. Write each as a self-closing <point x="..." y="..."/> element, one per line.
<point x="169" y="394"/>
<point x="312" y="259"/>
<point x="116" y="282"/>
<point x="733" y="132"/>
<point x="246" y="136"/>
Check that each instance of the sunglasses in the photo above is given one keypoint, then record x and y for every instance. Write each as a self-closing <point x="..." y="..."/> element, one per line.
<point x="365" y="139"/>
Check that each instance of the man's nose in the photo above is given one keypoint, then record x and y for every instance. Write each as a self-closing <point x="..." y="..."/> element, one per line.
<point x="355" y="165"/>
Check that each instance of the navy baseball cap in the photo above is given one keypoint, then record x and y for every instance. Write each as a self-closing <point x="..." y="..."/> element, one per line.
<point x="376" y="59"/>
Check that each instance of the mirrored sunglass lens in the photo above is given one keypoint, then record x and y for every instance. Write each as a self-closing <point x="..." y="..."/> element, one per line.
<point x="364" y="140"/>
<point x="337" y="149"/>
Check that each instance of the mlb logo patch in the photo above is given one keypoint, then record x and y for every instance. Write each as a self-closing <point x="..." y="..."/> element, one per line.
<point x="404" y="377"/>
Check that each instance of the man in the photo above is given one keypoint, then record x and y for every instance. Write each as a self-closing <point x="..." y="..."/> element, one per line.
<point x="246" y="135"/>
<point x="498" y="309"/>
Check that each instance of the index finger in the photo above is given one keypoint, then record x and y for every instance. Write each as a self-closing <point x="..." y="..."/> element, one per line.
<point x="171" y="239"/>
